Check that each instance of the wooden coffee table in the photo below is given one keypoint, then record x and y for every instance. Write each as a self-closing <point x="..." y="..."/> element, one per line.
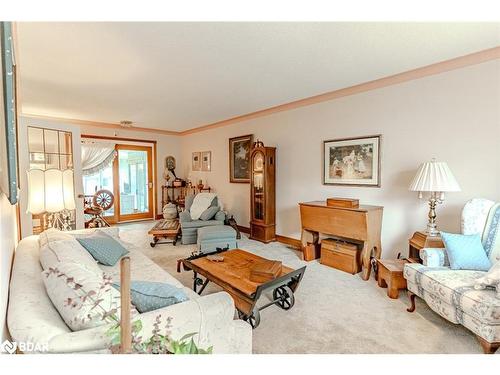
<point x="233" y="275"/>
<point x="167" y="229"/>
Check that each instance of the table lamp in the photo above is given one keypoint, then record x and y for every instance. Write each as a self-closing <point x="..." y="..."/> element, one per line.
<point x="436" y="179"/>
<point x="51" y="192"/>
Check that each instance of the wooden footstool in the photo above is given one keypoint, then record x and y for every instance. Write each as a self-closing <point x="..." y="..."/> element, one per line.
<point x="390" y="276"/>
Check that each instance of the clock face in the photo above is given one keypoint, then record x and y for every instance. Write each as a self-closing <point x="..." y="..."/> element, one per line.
<point x="259" y="162"/>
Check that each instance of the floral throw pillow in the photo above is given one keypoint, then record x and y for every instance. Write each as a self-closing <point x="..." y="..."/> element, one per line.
<point x="85" y="299"/>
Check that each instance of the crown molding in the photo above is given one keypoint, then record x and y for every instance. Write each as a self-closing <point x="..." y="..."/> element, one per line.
<point x="106" y="125"/>
<point x="410" y="75"/>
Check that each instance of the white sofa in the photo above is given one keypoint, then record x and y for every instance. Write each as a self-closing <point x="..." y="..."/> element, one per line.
<point x="451" y="293"/>
<point x="32" y="319"/>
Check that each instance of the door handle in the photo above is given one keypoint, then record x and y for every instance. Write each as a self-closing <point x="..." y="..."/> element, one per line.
<point x="150" y="185"/>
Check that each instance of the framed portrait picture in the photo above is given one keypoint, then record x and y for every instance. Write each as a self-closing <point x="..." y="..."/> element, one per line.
<point x="239" y="158"/>
<point x="196" y="161"/>
<point x="352" y="161"/>
<point x="206" y="161"/>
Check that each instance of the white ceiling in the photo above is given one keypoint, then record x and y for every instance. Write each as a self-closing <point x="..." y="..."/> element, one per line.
<point x="178" y="76"/>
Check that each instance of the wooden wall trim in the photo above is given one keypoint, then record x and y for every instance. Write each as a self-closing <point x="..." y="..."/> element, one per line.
<point x="425" y="71"/>
<point x="243" y="229"/>
<point x="99" y="124"/>
<point x="292" y="242"/>
<point x="123" y="139"/>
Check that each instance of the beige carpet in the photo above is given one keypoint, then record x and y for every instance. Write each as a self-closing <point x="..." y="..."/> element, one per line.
<point x="334" y="312"/>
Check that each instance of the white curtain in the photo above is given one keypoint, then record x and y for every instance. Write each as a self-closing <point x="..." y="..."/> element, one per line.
<point x="96" y="156"/>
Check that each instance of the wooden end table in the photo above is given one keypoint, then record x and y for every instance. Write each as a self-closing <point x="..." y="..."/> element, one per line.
<point x="419" y="240"/>
<point x="233" y="275"/>
<point x="390" y="276"/>
<point x="168" y="229"/>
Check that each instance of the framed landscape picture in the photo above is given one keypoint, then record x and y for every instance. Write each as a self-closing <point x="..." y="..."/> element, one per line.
<point x="196" y="161"/>
<point x="352" y="161"/>
<point x="239" y="158"/>
<point x="206" y="161"/>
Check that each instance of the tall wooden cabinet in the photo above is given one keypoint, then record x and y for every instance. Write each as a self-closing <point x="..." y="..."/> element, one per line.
<point x="263" y="194"/>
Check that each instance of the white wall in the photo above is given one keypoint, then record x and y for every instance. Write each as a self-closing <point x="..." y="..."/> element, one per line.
<point x="8" y="240"/>
<point x="453" y="116"/>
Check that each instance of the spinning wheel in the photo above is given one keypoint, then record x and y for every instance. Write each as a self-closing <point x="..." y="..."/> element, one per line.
<point x="101" y="201"/>
<point x="104" y="199"/>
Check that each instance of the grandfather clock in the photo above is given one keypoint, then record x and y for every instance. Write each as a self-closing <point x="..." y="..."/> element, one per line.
<point x="263" y="193"/>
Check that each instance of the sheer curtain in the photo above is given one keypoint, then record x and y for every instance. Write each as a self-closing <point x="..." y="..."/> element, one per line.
<point x="96" y="156"/>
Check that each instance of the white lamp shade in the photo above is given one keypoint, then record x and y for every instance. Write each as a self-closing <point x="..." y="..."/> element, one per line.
<point x="434" y="176"/>
<point x="54" y="193"/>
<point x="69" y="191"/>
<point x="50" y="191"/>
<point x="36" y="191"/>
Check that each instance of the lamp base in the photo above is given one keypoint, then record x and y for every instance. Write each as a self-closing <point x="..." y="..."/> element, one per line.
<point x="431" y="224"/>
<point x="432" y="230"/>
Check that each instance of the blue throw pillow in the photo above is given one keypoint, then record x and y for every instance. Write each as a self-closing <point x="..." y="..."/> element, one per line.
<point x="465" y="252"/>
<point x="105" y="249"/>
<point x="148" y="296"/>
<point x="209" y="213"/>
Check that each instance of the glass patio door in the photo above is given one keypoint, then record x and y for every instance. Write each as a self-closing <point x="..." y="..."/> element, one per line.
<point x="133" y="172"/>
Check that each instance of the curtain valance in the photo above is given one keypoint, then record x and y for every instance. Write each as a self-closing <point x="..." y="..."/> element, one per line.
<point x="97" y="156"/>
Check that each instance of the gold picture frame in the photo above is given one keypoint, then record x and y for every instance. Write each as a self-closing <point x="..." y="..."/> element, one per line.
<point x="352" y="161"/>
<point x="239" y="158"/>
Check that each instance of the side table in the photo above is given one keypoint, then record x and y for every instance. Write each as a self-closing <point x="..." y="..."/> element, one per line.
<point x="390" y="276"/>
<point x="420" y="240"/>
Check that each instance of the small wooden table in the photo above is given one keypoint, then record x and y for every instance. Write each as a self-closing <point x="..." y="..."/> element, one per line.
<point x="390" y="276"/>
<point x="420" y="240"/>
<point x="233" y="275"/>
<point x="168" y="229"/>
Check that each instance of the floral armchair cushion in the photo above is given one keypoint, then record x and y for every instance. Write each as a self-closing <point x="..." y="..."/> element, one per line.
<point x="434" y="257"/>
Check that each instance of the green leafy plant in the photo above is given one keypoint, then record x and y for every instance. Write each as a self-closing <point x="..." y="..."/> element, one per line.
<point x="158" y="343"/>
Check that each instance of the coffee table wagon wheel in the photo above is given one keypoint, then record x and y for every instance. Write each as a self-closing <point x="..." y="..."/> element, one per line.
<point x="254" y="318"/>
<point x="104" y="199"/>
<point x="284" y="297"/>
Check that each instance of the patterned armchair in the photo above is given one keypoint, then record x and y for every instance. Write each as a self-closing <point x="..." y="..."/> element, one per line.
<point x="451" y="293"/>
